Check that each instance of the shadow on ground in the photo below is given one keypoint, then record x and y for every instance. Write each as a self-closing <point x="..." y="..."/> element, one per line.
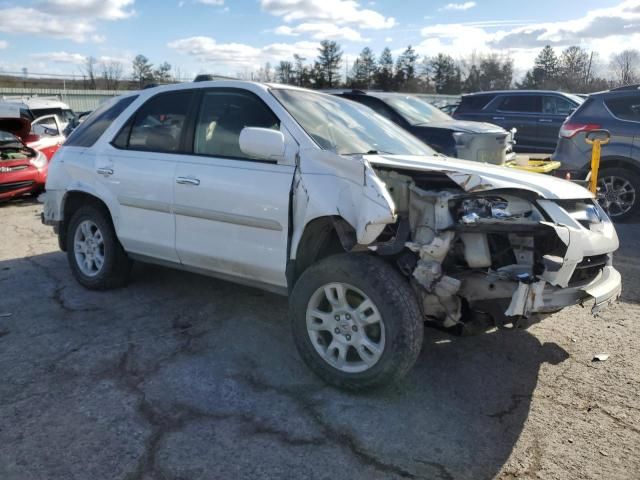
<point x="182" y="376"/>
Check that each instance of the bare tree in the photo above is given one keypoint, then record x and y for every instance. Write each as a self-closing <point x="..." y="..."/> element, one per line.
<point x="90" y="71"/>
<point x="625" y="66"/>
<point x="111" y="74"/>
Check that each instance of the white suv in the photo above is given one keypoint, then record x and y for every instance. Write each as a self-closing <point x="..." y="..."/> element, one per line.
<point x="367" y="230"/>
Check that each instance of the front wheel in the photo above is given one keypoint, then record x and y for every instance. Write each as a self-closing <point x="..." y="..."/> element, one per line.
<point x="356" y="321"/>
<point x="618" y="190"/>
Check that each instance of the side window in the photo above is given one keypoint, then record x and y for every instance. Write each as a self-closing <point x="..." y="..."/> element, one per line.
<point x="95" y="125"/>
<point x="556" y="106"/>
<point x="521" y="104"/>
<point x="157" y="126"/>
<point x="46" y="126"/>
<point x="625" y="108"/>
<point x="223" y="115"/>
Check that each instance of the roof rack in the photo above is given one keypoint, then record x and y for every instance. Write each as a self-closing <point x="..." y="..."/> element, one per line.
<point x="635" y="86"/>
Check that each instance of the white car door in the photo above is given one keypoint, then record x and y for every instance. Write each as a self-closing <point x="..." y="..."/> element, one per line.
<point x="139" y="170"/>
<point x="232" y="211"/>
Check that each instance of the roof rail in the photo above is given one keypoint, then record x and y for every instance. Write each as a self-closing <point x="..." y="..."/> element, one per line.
<point x="635" y="86"/>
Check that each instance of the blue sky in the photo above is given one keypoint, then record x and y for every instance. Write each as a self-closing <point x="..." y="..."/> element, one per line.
<point x="232" y="36"/>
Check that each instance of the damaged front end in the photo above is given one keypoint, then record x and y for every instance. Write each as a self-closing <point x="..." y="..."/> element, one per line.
<point x="477" y="253"/>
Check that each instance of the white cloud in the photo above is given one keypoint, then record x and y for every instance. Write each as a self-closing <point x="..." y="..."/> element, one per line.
<point x="322" y="31"/>
<point x="3" y="44"/>
<point x="67" y="19"/>
<point x="103" y="9"/>
<point x="228" y="57"/>
<point x="212" y="2"/>
<point x="604" y="31"/>
<point x="458" y="6"/>
<point x="60" y="57"/>
<point x="622" y="20"/>
<point x="339" y="12"/>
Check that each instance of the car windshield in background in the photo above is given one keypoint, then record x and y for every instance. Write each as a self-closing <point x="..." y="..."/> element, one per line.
<point x="579" y="100"/>
<point x="6" y="137"/>
<point x="414" y="110"/>
<point x="345" y="127"/>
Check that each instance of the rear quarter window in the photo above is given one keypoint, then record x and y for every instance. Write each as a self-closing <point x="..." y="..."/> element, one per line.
<point x="88" y="133"/>
<point x="625" y="107"/>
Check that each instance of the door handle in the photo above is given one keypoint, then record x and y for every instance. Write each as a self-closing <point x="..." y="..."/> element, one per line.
<point x="187" y="181"/>
<point x="545" y="120"/>
<point x="498" y="118"/>
<point x="105" y="171"/>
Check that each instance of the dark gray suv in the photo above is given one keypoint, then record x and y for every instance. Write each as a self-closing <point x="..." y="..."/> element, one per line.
<point x="536" y="114"/>
<point x="617" y="111"/>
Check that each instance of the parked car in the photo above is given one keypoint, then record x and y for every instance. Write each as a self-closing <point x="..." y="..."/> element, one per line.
<point x="47" y="132"/>
<point x="617" y="111"/>
<point x="481" y="142"/>
<point x="23" y="169"/>
<point x="367" y="229"/>
<point x="536" y="114"/>
<point x="39" y="107"/>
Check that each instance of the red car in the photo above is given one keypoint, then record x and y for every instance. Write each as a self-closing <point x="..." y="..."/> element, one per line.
<point x="23" y="169"/>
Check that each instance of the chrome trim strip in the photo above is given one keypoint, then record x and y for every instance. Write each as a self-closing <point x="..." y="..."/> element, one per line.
<point x="216" y="216"/>
<point x="144" y="204"/>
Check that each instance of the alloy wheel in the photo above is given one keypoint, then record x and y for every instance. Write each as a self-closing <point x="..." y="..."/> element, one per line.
<point x="345" y="327"/>
<point x="616" y="195"/>
<point x="88" y="244"/>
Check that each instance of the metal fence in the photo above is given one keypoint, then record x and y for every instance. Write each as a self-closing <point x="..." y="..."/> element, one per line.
<point x="78" y="100"/>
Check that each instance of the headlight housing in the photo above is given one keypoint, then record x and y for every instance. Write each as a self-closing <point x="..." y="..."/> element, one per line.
<point x="39" y="161"/>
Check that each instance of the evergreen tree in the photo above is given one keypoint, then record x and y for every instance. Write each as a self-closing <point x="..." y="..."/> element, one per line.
<point x="445" y="74"/>
<point x="384" y="74"/>
<point x="142" y="70"/>
<point x="329" y="60"/>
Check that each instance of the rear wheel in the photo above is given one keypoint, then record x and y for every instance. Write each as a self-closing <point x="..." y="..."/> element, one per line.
<point x="356" y="321"/>
<point x="95" y="255"/>
<point x="618" y="190"/>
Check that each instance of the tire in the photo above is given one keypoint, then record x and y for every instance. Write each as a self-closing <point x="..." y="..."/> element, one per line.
<point x="613" y="180"/>
<point x="114" y="268"/>
<point x="377" y="352"/>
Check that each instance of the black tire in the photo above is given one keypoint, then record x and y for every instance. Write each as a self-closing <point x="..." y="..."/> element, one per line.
<point x="115" y="270"/>
<point x="634" y="180"/>
<point x="396" y="302"/>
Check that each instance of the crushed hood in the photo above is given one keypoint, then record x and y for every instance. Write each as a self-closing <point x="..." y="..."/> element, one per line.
<point x="479" y="177"/>
<point x="464" y="126"/>
<point x="18" y="126"/>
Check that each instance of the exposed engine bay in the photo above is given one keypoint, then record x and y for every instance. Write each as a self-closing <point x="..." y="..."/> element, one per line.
<point x="485" y="255"/>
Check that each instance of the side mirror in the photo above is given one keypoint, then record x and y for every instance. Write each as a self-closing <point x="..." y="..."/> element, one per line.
<point x="263" y="143"/>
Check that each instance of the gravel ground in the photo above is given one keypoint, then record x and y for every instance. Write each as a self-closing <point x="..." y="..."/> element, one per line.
<point x="179" y="376"/>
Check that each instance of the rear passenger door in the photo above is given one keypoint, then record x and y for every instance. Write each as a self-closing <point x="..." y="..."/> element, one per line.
<point x="555" y="110"/>
<point x="521" y="112"/>
<point x="232" y="211"/>
<point x="140" y="172"/>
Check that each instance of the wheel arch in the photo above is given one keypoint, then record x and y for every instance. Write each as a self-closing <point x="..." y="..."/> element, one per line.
<point x="72" y="200"/>
<point x="321" y="237"/>
<point x="617" y="162"/>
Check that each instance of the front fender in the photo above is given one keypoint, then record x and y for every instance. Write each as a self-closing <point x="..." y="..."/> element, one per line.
<point x="327" y="185"/>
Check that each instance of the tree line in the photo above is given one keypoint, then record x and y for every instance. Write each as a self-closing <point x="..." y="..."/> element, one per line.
<point x="573" y="69"/>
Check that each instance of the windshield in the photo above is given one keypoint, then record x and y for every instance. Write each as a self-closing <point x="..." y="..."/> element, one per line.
<point x="414" y="110"/>
<point x="346" y="127"/>
<point x="6" y="137"/>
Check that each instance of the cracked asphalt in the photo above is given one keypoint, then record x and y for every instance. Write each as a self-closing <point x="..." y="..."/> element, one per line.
<point x="180" y="376"/>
